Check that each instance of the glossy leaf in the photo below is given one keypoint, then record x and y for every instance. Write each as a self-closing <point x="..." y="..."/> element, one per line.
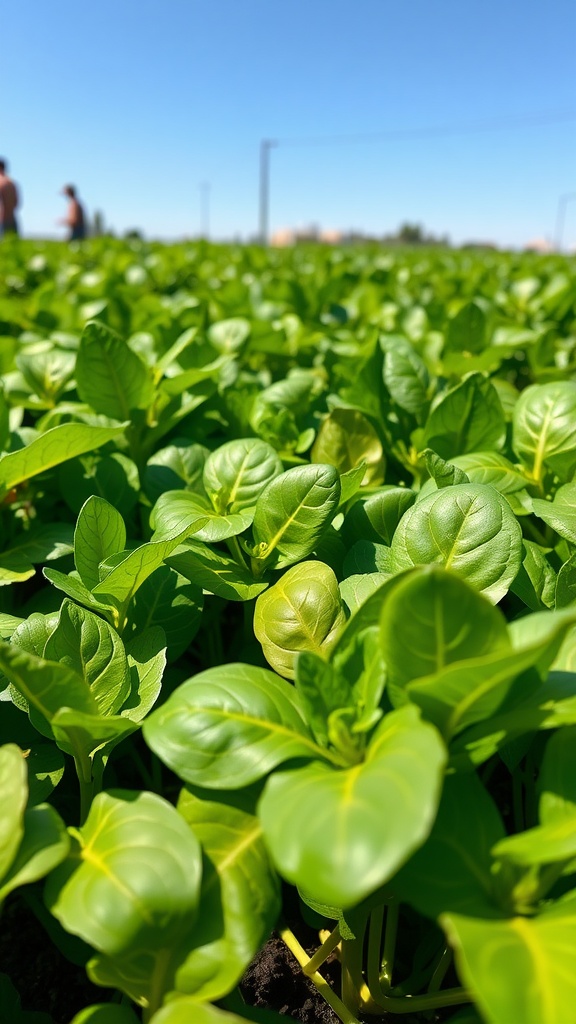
<point x="347" y="438"/>
<point x="239" y="900"/>
<point x="454" y="869"/>
<point x="302" y="612"/>
<point x="44" y="845"/>
<point x="217" y="573"/>
<point x="180" y="511"/>
<point x="518" y="969"/>
<point x="292" y="513"/>
<point x="469" y="418"/>
<point x="89" y="645"/>
<point x="560" y="513"/>
<point x="340" y="835"/>
<point x="100" y="532"/>
<point x="109" y="375"/>
<point x="236" y="473"/>
<point x="433" y="619"/>
<point x="13" y="797"/>
<point x="55" y="446"/>
<point x="229" y="726"/>
<point x="468" y="528"/>
<point x="133" y="879"/>
<point x="544" y="430"/>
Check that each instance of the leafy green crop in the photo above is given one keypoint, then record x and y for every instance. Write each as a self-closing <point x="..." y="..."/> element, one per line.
<point x="288" y="606"/>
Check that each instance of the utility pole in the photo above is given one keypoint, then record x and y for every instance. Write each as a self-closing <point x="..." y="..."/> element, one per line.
<point x="205" y="209"/>
<point x="563" y="201"/>
<point x="264" y="193"/>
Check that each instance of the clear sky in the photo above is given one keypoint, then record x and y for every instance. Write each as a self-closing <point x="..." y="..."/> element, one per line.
<point x="138" y="102"/>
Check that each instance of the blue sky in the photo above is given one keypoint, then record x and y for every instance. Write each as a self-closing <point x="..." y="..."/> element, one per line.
<point x="139" y="102"/>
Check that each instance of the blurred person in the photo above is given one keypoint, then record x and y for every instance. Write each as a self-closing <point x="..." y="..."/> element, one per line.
<point x="74" y="218"/>
<point x="9" y="202"/>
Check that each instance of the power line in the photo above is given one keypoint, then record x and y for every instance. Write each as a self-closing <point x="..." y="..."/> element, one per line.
<point x="438" y="131"/>
<point x="499" y="123"/>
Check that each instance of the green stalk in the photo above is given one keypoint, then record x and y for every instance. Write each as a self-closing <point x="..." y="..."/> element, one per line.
<point x="440" y="970"/>
<point x="323" y="952"/>
<point x="341" y="1011"/>
<point x="392" y="915"/>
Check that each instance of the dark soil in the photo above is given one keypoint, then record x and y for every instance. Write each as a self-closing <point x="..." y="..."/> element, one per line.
<point x="46" y="981"/>
<point x="275" y="980"/>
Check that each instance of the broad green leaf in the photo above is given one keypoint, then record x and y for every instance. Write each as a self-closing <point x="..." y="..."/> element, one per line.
<point x="217" y="573"/>
<point x="180" y="511"/>
<point x="433" y="619"/>
<point x="347" y="438"/>
<point x="551" y="706"/>
<point x="43" y="544"/>
<point x="444" y="474"/>
<point x="179" y="465"/>
<point x="519" y="969"/>
<point x="491" y="468"/>
<point x="229" y="335"/>
<point x="44" y="845"/>
<point x="55" y="446"/>
<point x="554" y="839"/>
<point x="89" y="645"/>
<point x="475" y="689"/>
<point x="560" y="513"/>
<point x="339" y="835"/>
<point x="376" y="517"/>
<point x="302" y="612"/>
<point x="133" y="879"/>
<point x="106" y="1013"/>
<point x="100" y="532"/>
<point x="47" y="685"/>
<point x="167" y="599"/>
<point x="367" y="556"/>
<point x="186" y="1010"/>
<point x="13" y="798"/>
<point x="566" y="584"/>
<point x="72" y="586"/>
<point x="467" y="330"/>
<point x="321" y="690"/>
<point x="469" y="418"/>
<point x="147" y="660"/>
<point x="356" y="589"/>
<point x="454" y="869"/>
<point x="405" y="376"/>
<point x="113" y="477"/>
<point x="109" y="375"/>
<point x="236" y="473"/>
<point x="229" y="726"/>
<point x="468" y="528"/>
<point x="536" y="581"/>
<point x="544" y="429"/>
<point x="292" y="512"/>
<point x="127" y="576"/>
<point x="239" y="899"/>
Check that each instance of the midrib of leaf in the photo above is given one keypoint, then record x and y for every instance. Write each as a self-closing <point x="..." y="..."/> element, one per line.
<point x="235" y="487"/>
<point x="268" y="726"/>
<point x="542" y="437"/>
<point x="543" y="987"/>
<point x="271" y="544"/>
<point x="237" y="850"/>
<point x="90" y="855"/>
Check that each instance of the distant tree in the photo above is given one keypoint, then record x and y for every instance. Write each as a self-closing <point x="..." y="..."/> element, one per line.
<point x="410" y="234"/>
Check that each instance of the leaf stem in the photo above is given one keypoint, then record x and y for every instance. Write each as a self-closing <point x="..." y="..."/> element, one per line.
<point x="342" y="1011"/>
<point x="323" y="952"/>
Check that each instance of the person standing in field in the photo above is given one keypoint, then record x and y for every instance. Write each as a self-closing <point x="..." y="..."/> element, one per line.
<point x="8" y="203"/>
<point x="74" y="218"/>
